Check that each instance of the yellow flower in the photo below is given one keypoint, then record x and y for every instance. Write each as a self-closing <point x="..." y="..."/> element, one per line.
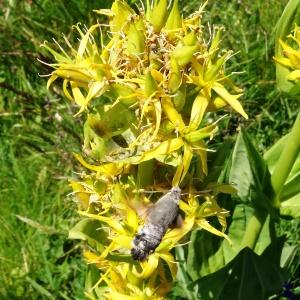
<point x="147" y="92"/>
<point x="291" y="57"/>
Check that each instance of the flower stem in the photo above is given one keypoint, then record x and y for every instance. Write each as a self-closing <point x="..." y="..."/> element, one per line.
<point x="254" y="228"/>
<point x="145" y="173"/>
<point x="278" y="178"/>
<point x="286" y="161"/>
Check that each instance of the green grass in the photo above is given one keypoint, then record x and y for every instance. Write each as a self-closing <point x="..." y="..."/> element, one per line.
<point x="37" y="261"/>
<point x="37" y="134"/>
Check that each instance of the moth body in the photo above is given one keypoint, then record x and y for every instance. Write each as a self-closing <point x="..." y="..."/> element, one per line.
<point x="162" y="215"/>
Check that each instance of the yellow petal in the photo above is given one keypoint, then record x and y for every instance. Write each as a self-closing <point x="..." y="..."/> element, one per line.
<point x="51" y="80"/>
<point x="164" y="148"/>
<point x="77" y="95"/>
<point x="216" y="104"/>
<point x="283" y="61"/>
<point x="198" y="109"/>
<point x="158" y="76"/>
<point x="230" y="99"/>
<point x="124" y="241"/>
<point x="148" y="267"/>
<point x="82" y="195"/>
<point x="93" y="258"/>
<point x="72" y="74"/>
<point x="201" y="151"/>
<point x="172" y="113"/>
<point x="204" y="224"/>
<point x="65" y="89"/>
<point x="157" y="107"/>
<point x="84" y="41"/>
<point x="173" y="236"/>
<point x="112" y="222"/>
<point x="111" y="169"/>
<point x="95" y="90"/>
<point x="184" y="166"/>
<point x="132" y="219"/>
<point x="169" y="259"/>
<point x="294" y="75"/>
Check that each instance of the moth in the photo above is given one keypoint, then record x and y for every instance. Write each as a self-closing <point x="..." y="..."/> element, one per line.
<point x="163" y="214"/>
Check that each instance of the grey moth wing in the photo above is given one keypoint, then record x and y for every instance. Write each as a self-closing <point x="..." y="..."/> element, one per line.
<point x="161" y="216"/>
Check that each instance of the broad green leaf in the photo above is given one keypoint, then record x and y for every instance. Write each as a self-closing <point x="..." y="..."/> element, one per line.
<point x="291" y="188"/>
<point x="89" y="230"/>
<point x="222" y="188"/>
<point x="183" y="281"/>
<point x="273" y="154"/>
<point x="249" y="174"/>
<point x="117" y="117"/>
<point x="246" y="277"/>
<point x="291" y="207"/>
<point x="288" y="255"/>
<point x="208" y="253"/>
<point x="145" y="173"/>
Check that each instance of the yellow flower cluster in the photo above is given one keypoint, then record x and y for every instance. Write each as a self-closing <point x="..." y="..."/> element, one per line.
<point x="115" y="207"/>
<point x="291" y="54"/>
<point x="147" y="85"/>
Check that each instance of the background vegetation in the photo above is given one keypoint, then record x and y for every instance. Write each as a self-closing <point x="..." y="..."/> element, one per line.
<point x="38" y="133"/>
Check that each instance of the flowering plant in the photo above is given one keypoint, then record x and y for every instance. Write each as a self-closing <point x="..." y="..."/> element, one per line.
<point x="145" y="84"/>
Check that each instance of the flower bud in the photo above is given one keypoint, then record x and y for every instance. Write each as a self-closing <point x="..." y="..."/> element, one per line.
<point x="159" y="13"/>
<point x="184" y="54"/>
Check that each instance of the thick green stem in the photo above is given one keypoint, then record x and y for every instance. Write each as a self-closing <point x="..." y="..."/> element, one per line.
<point x="254" y="228"/>
<point x="278" y="178"/>
<point x="286" y="161"/>
<point x="145" y="173"/>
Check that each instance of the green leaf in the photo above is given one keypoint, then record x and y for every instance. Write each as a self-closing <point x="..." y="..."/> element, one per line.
<point x="288" y="255"/>
<point x="291" y="207"/>
<point x="291" y="189"/>
<point x="40" y="289"/>
<point x="247" y="277"/>
<point x="272" y="156"/>
<point x="250" y="175"/>
<point x="222" y="188"/>
<point x="91" y="279"/>
<point x="183" y="280"/>
<point x="88" y="230"/>
<point x="208" y="253"/>
<point x="216" y="164"/>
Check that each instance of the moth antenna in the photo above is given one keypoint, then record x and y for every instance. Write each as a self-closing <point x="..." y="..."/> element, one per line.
<point x="198" y="192"/>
